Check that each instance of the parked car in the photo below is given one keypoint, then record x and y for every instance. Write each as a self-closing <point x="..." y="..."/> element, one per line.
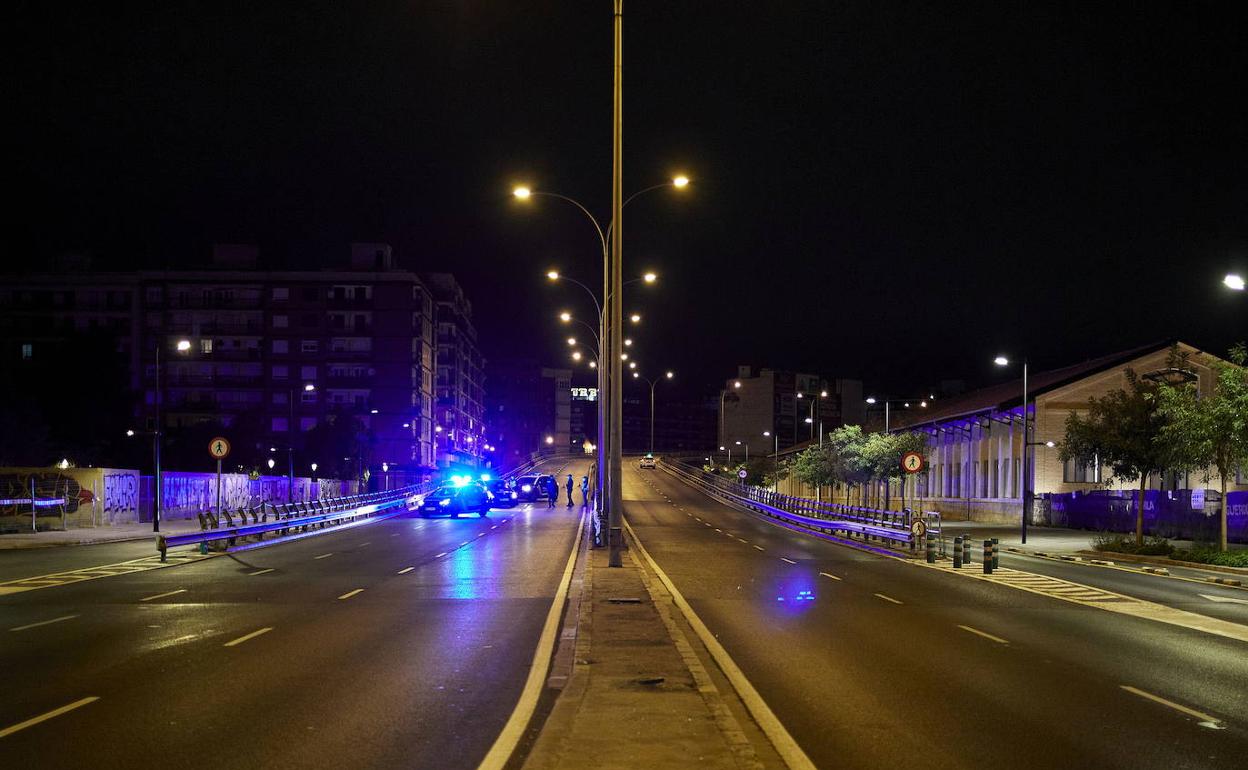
<point x="532" y="487"/>
<point x="452" y="500"/>
<point x="505" y="495"/>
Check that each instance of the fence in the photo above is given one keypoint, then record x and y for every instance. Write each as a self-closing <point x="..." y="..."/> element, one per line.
<point x="1167" y="513"/>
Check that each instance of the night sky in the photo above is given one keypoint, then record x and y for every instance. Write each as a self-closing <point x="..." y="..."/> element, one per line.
<point x="894" y="191"/>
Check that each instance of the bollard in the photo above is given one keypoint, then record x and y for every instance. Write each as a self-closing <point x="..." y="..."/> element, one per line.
<point x="931" y="550"/>
<point x="995" y="559"/>
<point x="957" y="552"/>
<point x="987" y="557"/>
<point x="966" y="549"/>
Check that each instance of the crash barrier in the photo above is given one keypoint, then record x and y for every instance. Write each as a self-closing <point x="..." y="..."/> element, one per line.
<point x="302" y="517"/>
<point x="892" y="527"/>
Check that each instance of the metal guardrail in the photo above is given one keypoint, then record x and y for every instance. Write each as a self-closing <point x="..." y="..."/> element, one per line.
<point x="890" y="526"/>
<point x="303" y="516"/>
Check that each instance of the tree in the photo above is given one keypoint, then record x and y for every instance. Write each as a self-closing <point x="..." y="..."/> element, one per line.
<point x="1122" y="428"/>
<point x="882" y="453"/>
<point x="812" y="467"/>
<point x="845" y="456"/>
<point x="1211" y="430"/>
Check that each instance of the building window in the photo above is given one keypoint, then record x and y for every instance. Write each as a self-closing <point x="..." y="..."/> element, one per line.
<point x="307" y="423"/>
<point x="280" y="425"/>
<point x="280" y="372"/>
<point x="281" y="397"/>
<point x="28" y="351"/>
<point x="309" y="346"/>
<point x="281" y="321"/>
<point x="308" y="372"/>
<point x="1082" y="470"/>
<point x="307" y="396"/>
<point x="281" y="346"/>
<point x="205" y="346"/>
<point x="281" y="293"/>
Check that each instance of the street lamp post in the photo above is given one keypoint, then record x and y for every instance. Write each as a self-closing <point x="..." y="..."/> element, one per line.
<point x="652" y="383"/>
<point x="922" y="402"/>
<point x="290" y="441"/>
<point x="747" y="451"/>
<point x="1027" y="490"/>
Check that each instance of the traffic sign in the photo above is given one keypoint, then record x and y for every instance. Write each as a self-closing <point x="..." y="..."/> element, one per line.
<point x="219" y="448"/>
<point x="912" y="462"/>
<point x="918" y="528"/>
<point x="742" y="474"/>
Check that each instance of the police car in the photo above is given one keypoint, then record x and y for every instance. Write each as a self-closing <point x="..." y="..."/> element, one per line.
<point x="460" y="496"/>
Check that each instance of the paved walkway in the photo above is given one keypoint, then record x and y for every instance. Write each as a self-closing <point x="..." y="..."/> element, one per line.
<point x="91" y="535"/>
<point x="1051" y="539"/>
<point x="638" y="696"/>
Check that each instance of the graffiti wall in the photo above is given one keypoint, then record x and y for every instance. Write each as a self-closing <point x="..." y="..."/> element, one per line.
<point x="76" y="497"/>
<point x="186" y="494"/>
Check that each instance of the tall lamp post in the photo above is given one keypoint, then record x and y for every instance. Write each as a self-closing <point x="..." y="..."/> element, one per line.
<point x="669" y="375"/>
<point x="905" y="402"/>
<point x="723" y="394"/>
<point x="290" y="443"/>
<point x="1027" y="491"/>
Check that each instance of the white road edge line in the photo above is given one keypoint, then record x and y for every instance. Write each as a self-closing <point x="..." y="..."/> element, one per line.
<point x="349" y="594"/>
<point x="775" y="731"/>
<point x="514" y="730"/>
<point x="984" y="634"/>
<point x="161" y="596"/>
<point x="44" y="623"/>
<point x="790" y="561"/>
<point x="245" y="637"/>
<point x="323" y="556"/>
<point x="1208" y="721"/>
<point x="888" y="599"/>
<point x="406" y="570"/>
<point x="260" y="572"/>
<point x="45" y="717"/>
<point x="828" y="575"/>
<point x="439" y="556"/>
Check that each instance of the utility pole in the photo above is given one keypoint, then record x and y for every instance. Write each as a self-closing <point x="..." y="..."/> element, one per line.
<point x="616" y="297"/>
<point x="156" y="450"/>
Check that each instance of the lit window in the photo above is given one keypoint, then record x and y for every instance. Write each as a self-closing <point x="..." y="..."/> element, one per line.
<point x="307" y="423"/>
<point x="280" y="425"/>
<point x="280" y="321"/>
<point x="309" y="346"/>
<point x="280" y="372"/>
<point x="28" y="351"/>
<point x="281" y="346"/>
<point x="205" y="346"/>
<point x="308" y="372"/>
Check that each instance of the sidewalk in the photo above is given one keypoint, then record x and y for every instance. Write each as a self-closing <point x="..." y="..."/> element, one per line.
<point x="91" y="535"/>
<point x="638" y="695"/>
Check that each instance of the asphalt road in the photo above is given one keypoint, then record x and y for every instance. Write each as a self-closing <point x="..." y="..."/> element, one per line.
<point x="403" y="643"/>
<point x="890" y="664"/>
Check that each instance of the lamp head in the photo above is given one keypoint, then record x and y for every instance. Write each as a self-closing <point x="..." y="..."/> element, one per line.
<point x="680" y="181"/>
<point x="1001" y="361"/>
<point x="522" y="192"/>
<point x="552" y="275"/>
<point x="650" y="277"/>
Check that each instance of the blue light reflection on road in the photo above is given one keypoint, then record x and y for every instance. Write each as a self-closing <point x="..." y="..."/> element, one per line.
<point x="794" y="596"/>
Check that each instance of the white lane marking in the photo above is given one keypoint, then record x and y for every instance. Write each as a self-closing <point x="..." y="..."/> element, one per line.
<point x="1213" y="598"/>
<point x="349" y="594"/>
<point x="984" y="634"/>
<point x="44" y="623"/>
<point x="406" y="570"/>
<point x="790" y="753"/>
<point x="759" y="547"/>
<point x="361" y="545"/>
<point x="461" y="545"/>
<point x="245" y="637"/>
<point x="480" y="534"/>
<point x="743" y="540"/>
<point x="494" y="527"/>
<point x="1206" y="720"/>
<point x="50" y="715"/>
<point x="888" y="599"/>
<point x="439" y="556"/>
<point x="396" y="534"/>
<point x="717" y="529"/>
<point x="260" y="572"/>
<point x="828" y="575"/>
<point x="790" y="561"/>
<point x="161" y="596"/>
<point x="514" y="730"/>
<point x="323" y="556"/>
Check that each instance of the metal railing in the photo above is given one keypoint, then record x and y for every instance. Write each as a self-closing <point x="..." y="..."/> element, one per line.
<point x="894" y="527"/>
<point x="301" y="516"/>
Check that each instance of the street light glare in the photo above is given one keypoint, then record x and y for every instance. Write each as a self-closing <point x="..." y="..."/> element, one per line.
<point x="1234" y="281"/>
<point x="736" y="384"/>
<point x="635" y="318"/>
<point x="632" y="364"/>
<point x="522" y="192"/>
<point x="576" y="355"/>
<point x="309" y="388"/>
<point x="650" y="278"/>
<point x="593" y="364"/>
<point x="871" y="400"/>
<point x="553" y="275"/>
<point x="670" y="375"/>
<point x="185" y="345"/>
<point x="680" y="181"/>
<point x="571" y="340"/>
<point x="636" y="375"/>
<point x="565" y="317"/>
<point x="1001" y="361"/>
<point x="130" y="433"/>
<point x="628" y="342"/>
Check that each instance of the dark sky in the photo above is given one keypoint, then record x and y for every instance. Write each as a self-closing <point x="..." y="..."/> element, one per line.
<point x="895" y="191"/>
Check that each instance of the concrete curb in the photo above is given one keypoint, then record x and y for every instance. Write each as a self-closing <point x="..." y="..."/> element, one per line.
<point x="1142" y="559"/>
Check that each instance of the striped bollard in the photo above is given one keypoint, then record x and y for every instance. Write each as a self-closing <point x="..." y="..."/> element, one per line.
<point x="987" y="557"/>
<point x="957" y="552"/>
<point x="966" y="549"/>
<point x="931" y="550"/>
<point x="995" y="556"/>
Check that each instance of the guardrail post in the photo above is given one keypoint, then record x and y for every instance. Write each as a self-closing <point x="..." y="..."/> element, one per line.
<point x="987" y="557"/>
<point x="957" y="552"/>
<point x="995" y="554"/>
<point x="931" y="550"/>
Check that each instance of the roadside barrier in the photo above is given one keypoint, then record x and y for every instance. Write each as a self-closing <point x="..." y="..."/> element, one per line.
<point x="996" y="563"/>
<point x="987" y="557"/>
<point x="957" y="552"/>
<point x="931" y="551"/>
<point x="966" y="549"/>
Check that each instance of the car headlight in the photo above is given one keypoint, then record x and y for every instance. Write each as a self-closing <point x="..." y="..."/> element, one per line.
<point x="527" y="488"/>
<point x="514" y="495"/>
<point x="444" y="501"/>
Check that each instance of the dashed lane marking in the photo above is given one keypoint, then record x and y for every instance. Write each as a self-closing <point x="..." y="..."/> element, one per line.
<point x="984" y="634"/>
<point x="43" y="623"/>
<point x="102" y="571"/>
<point x="260" y="572"/>
<point x="161" y="596"/>
<point x="349" y="594"/>
<point x="759" y="547"/>
<point x="743" y="540"/>
<point x="323" y="556"/>
<point x="54" y="713"/>
<point x="246" y="637"/>
<point x="790" y="561"/>
<point x="1206" y="720"/>
<point x="829" y="575"/>
<point x="406" y="570"/>
<point x="889" y="599"/>
<point x="439" y="556"/>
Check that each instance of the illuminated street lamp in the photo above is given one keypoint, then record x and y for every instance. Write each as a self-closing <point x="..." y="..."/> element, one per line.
<point x="667" y="375"/>
<point x="1003" y="361"/>
<point x="1234" y="281"/>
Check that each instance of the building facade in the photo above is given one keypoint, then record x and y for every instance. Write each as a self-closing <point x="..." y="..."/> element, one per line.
<point x="459" y="385"/>
<point x="783" y="408"/>
<point x="281" y="351"/>
<point x="529" y="411"/>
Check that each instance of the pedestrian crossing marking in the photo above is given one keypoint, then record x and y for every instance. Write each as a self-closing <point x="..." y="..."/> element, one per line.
<point x="69" y="577"/>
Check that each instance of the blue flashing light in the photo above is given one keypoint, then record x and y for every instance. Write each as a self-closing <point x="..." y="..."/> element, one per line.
<point x="459" y="481"/>
<point x="485" y="477"/>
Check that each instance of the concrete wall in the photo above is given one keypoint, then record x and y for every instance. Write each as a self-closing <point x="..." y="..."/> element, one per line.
<point x="93" y="496"/>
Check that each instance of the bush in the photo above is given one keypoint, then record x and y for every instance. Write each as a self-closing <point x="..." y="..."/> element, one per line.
<point x="1152" y="546"/>
<point x="1211" y="556"/>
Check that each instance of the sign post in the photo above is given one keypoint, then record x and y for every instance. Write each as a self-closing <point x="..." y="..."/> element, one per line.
<point x="911" y="463"/>
<point x="219" y="448"/>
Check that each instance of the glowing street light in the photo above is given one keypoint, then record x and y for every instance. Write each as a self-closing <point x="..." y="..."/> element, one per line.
<point x="1233" y="281"/>
<point x="1003" y="361"/>
<point x="183" y="346"/>
<point x="680" y="181"/>
<point x="522" y="192"/>
<point x="565" y="317"/>
<point x="571" y="340"/>
<point x="552" y="275"/>
<point x="271" y="463"/>
<point x="651" y="278"/>
<point x="635" y="318"/>
<point x="129" y="432"/>
<point x="550" y="440"/>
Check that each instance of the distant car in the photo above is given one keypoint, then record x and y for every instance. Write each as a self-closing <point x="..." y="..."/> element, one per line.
<point x="452" y="500"/>
<point x="505" y="495"/>
<point x="646" y="462"/>
<point x="532" y="487"/>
